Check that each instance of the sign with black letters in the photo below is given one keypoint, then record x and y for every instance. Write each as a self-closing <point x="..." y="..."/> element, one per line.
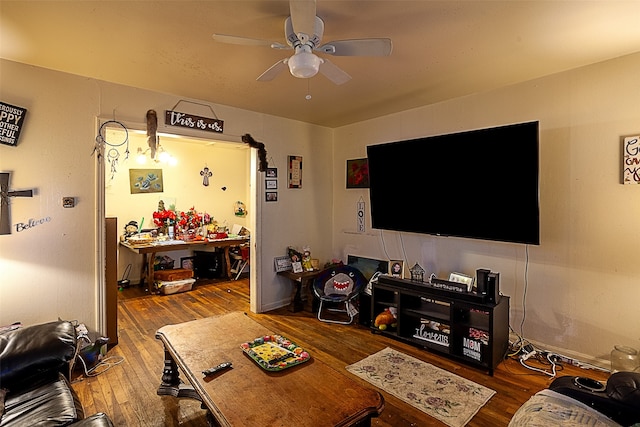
<point x="11" y="120"/>
<point x="186" y="120"/>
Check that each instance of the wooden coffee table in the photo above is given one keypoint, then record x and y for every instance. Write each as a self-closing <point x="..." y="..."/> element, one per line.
<point x="310" y="394"/>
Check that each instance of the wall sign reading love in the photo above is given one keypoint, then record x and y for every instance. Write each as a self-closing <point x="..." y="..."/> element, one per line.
<point x="11" y="119"/>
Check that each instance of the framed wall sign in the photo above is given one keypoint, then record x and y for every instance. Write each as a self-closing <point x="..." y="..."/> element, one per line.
<point x="295" y="171"/>
<point x="282" y="263"/>
<point x="11" y="121"/>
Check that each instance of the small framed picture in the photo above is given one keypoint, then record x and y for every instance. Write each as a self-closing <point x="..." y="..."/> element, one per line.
<point x="187" y="263"/>
<point x="282" y="263"/>
<point x="271" y="196"/>
<point x="297" y="267"/>
<point x="358" y="173"/>
<point x="271" y="173"/>
<point x="271" y="184"/>
<point x="396" y="268"/>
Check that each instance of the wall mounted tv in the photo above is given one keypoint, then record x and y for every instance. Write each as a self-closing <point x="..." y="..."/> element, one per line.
<point x="480" y="184"/>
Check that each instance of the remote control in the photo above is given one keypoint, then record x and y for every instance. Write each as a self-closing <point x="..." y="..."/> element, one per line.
<point x="215" y="369"/>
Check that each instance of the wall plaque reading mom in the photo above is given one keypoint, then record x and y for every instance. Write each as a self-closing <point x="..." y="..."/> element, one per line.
<point x="11" y="119"/>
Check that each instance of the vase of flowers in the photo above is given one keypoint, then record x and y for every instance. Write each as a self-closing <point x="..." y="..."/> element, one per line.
<point x="163" y="219"/>
<point x="191" y="222"/>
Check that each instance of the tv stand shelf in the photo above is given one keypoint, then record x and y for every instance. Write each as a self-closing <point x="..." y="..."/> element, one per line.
<point x="460" y="325"/>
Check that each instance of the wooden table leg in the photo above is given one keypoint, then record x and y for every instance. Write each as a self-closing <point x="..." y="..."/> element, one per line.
<point x="150" y="260"/>
<point x="227" y="261"/>
<point x="171" y="384"/>
<point x="296" y="298"/>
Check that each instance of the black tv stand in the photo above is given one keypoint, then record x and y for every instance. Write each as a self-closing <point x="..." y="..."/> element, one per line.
<point x="460" y="325"/>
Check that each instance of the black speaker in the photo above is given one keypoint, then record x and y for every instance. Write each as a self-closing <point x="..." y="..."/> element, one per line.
<point x="482" y="275"/>
<point x="493" y="287"/>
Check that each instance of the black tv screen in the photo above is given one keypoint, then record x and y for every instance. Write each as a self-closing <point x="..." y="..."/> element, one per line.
<point x="480" y="184"/>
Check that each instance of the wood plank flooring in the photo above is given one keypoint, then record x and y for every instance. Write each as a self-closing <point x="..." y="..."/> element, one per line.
<point x="127" y="391"/>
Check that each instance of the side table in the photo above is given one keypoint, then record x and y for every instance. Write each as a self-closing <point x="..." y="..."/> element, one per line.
<point x="300" y="281"/>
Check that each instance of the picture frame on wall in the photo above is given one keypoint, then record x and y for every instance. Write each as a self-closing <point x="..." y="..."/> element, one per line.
<point x="271" y="184"/>
<point x="143" y="181"/>
<point x="271" y="196"/>
<point x="295" y="171"/>
<point x="271" y="173"/>
<point x="358" y="173"/>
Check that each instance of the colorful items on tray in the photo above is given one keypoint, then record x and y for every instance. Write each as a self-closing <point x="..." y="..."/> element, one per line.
<point x="274" y="352"/>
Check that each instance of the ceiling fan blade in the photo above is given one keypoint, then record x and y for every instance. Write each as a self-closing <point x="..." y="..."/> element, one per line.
<point x="303" y="16"/>
<point x="358" y="47"/>
<point x="333" y="72"/>
<point x="273" y="71"/>
<point x="246" y="41"/>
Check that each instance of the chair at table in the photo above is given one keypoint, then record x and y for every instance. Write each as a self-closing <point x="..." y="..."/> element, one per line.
<point x="240" y="261"/>
<point x="335" y="287"/>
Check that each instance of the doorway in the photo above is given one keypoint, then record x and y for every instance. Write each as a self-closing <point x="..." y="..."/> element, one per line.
<point x="208" y="175"/>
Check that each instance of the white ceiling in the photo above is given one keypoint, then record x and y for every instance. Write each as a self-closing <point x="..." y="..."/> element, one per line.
<point x="442" y="49"/>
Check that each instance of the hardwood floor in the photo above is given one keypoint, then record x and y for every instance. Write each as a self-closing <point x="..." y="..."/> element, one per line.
<point x="127" y="391"/>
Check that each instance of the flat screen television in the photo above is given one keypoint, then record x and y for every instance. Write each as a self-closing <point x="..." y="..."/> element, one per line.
<point x="479" y="184"/>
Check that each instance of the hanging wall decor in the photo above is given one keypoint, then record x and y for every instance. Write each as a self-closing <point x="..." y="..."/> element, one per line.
<point x="360" y="216"/>
<point x="11" y="120"/>
<point x="206" y="174"/>
<point x="358" y="173"/>
<point x="144" y="181"/>
<point x="191" y="121"/>
<point x="295" y="171"/>
<point x="631" y="160"/>
<point x="5" y="193"/>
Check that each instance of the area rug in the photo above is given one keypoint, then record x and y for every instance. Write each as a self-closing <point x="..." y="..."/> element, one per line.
<point x="439" y="393"/>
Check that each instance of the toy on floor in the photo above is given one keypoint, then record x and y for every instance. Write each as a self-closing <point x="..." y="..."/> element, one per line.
<point x="388" y="318"/>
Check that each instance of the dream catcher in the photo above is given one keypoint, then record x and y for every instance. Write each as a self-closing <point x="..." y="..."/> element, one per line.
<point x="112" y="147"/>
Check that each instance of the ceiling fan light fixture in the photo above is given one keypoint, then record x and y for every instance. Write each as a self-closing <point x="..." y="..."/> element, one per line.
<point x="304" y="65"/>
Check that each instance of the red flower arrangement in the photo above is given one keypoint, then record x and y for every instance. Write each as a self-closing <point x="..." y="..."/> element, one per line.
<point x="193" y="220"/>
<point x="164" y="217"/>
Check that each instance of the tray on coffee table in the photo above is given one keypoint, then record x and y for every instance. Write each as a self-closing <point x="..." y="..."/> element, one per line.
<point x="274" y="352"/>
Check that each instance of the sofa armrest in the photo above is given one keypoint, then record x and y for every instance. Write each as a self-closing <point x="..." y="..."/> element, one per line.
<point x="29" y="353"/>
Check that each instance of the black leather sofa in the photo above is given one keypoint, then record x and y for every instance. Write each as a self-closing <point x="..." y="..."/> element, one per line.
<point x="35" y="369"/>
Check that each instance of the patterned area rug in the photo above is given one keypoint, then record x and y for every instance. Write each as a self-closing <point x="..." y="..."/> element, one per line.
<point x="441" y="394"/>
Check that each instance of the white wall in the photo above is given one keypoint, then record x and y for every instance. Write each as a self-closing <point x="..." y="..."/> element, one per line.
<point x="49" y="271"/>
<point x="582" y="282"/>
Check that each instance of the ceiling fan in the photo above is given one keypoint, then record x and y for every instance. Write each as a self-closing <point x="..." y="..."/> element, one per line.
<point x="303" y="31"/>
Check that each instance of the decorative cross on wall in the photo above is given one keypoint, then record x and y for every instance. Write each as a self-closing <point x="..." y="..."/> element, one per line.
<point x="5" y="218"/>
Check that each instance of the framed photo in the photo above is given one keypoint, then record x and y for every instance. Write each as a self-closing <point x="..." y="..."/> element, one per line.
<point x="358" y="173"/>
<point x="271" y="184"/>
<point x="282" y="263"/>
<point x="271" y="196"/>
<point x="271" y="173"/>
<point x="297" y="267"/>
<point x="295" y="171"/>
<point x="396" y="268"/>
<point x="187" y="262"/>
